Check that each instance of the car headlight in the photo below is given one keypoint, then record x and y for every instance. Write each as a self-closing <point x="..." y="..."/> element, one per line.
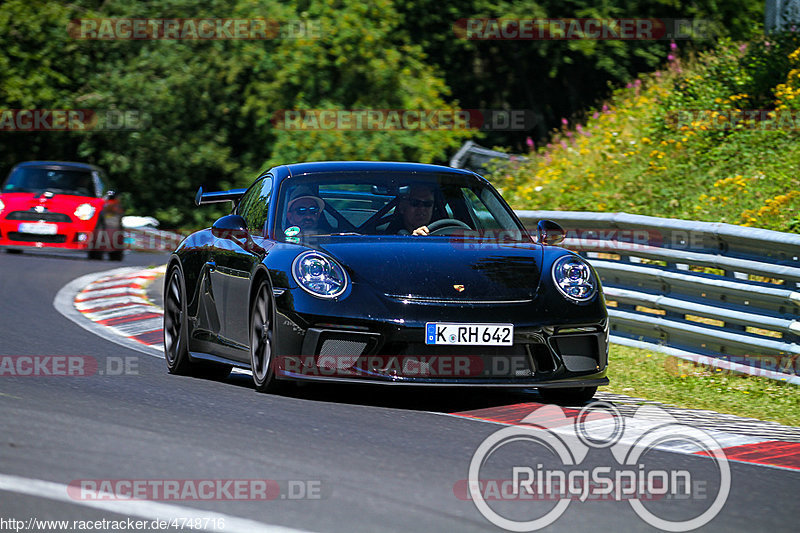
<point x="2" y="206"/>
<point x="574" y="278"/>
<point x="84" y="211"/>
<point x="319" y="275"/>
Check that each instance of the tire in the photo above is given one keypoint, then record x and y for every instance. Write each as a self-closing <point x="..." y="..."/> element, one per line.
<point x="568" y="396"/>
<point x="97" y="255"/>
<point x="262" y="313"/>
<point x="116" y="255"/>
<point x="176" y="334"/>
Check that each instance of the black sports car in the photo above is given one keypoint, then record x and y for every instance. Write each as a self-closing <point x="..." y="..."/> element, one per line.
<point x="393" y="273"/>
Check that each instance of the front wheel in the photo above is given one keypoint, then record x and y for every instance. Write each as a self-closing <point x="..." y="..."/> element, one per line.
<point x="176" y="335"/>
<point x="262" y="361"/>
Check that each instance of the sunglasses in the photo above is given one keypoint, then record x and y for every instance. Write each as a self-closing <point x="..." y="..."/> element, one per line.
<point x="311" y="210"/>
<point x="420" y="203"/>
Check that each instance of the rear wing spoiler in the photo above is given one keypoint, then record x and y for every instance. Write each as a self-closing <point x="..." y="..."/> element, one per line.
<point x="202" y="198"/>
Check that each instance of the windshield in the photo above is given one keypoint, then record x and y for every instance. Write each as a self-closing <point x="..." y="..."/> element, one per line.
<point x="380" y="203"/>
<point x="75" y="182"/>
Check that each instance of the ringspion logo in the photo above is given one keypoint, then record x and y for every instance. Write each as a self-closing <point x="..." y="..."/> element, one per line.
<point x="518" y="494"/>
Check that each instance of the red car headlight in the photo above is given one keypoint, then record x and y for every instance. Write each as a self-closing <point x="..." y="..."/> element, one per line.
<point x="84" y="211"/>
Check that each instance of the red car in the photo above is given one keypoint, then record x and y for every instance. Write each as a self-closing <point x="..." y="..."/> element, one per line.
<point x="51" y="204"/>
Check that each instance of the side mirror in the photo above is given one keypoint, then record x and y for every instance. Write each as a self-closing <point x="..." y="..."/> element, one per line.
<point x="231" y="227"/>
<point x="110" y="195"/>
<point x="549" y="233"/>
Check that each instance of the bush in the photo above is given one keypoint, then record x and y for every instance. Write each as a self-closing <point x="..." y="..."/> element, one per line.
<point x="676" y="144"/>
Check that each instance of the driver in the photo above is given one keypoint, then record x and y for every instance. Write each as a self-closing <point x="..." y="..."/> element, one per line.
<point x="304" y="210"/>
<point x="414" y="211"/>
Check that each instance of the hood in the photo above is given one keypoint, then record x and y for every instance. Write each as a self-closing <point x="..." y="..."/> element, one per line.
<point x="437" y="268"/>
<point x="57" y="203"/>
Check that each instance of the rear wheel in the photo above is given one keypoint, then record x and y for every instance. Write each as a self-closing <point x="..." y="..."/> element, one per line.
<point x="569" y="395"/>
<point x="262" y="363"/>
<point x="176" y="334"/>
<point x="116" y="255"/>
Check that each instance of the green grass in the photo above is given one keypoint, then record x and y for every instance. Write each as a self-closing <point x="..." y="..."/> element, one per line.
<point x="673" y="381"/>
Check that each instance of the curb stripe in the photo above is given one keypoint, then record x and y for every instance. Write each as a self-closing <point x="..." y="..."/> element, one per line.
<point x="127" y="310"/>
<point x="112" y="285"/>
<point x="138" y="317"/>
<point x="108" y="307"/>
<point x="119" y="302"/>
<point x="151" y="338"/>
<point x="771" y="453"/>
<point x="741" y="448"/>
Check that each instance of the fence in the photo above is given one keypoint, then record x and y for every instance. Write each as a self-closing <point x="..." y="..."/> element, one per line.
<point x="717" y="294"/>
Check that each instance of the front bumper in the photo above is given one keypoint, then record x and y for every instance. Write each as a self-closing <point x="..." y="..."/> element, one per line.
<point x="77" y="236"/>
<point x="385" y="353"/>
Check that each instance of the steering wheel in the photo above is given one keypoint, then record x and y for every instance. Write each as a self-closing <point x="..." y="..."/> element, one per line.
<point x="440" y="226"/>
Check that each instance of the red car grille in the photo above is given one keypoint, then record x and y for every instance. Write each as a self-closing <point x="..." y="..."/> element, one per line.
<point x="33" y="216"/>
<point x="29" y="237"/>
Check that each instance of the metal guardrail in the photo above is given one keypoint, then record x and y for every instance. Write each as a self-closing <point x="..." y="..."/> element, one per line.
<point x="717" y="294"/>
<point x="151" y="240"/>
<point x="781" y="15"/>
<point x="474" y="157"/>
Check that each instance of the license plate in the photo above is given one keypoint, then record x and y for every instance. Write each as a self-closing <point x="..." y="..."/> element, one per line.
<point x="38" y="229"/>
<point x="469" y="334"/>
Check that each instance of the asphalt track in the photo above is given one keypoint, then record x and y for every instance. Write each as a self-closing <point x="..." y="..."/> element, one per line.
<point x="376" y="459"/>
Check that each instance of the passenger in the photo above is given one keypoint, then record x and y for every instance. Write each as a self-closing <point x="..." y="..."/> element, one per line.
<point x="414" y="211"/>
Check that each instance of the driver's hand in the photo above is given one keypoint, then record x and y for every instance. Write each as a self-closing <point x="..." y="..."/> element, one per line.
<point x="422" y="230"/>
